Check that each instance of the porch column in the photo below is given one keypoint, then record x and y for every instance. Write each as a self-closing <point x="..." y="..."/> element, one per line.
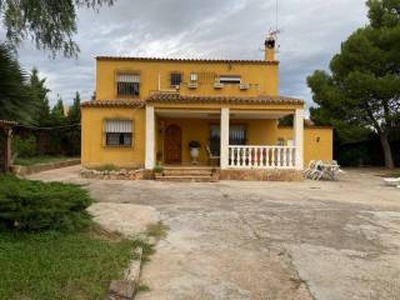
<point x="224" y="155"/>
<point x="298" y="132"/>
<point x="150" y="130"/>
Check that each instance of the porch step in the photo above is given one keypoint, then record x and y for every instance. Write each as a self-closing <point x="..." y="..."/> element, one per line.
<point x="188" y="174"/>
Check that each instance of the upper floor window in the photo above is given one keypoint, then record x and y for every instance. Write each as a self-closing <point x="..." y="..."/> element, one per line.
<point x="193" y="77"/>
<point x="119" y="133"/>
<point x="128" y="84"/>
<point x="229" y="79"/>
<point x="176" y="79"/>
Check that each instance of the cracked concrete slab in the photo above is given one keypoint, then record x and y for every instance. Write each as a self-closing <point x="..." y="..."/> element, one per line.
<point x="267" y="240"/>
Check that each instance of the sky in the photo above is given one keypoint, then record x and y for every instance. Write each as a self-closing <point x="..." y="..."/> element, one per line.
<point x="311" y="33"/>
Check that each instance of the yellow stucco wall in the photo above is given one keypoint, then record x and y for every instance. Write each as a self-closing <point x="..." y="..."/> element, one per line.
<point x="262" y="77"/>
<point x="95" y="153"/>
<point x="318" y="142"/>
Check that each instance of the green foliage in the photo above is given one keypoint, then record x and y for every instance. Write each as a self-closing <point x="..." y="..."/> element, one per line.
<point x="157" y="230"/>
<point x="15" y="103"/>
<point x="57" y="266"/>
<point x="50" y="24"/>
<point x="73" y="133"/>
<point x="36" y="206"/>
<point x="24" y="146"/>
<point x="363" y="89"/>
<point x="158" y="169"/>
<point x="286" y="121"/>
<point x="38" y="93"/>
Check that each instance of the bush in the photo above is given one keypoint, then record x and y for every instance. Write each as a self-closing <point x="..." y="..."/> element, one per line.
<point x="37" y="206"/>
<point x="24" y="146"/>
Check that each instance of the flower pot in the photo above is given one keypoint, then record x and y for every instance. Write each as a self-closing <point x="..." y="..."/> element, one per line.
<point x="194" y="154"/>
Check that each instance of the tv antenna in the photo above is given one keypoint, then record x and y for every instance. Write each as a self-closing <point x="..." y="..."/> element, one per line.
<point x="274" y="32"/>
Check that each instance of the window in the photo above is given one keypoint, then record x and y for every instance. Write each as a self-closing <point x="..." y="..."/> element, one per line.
<point x="237" y="136"/>
<point x="193" y="77"/>
<point x="229" y="79"/>
<point x="128" y="84"/>
<point x="119" y="133"/>
<point x="176" y="79"/>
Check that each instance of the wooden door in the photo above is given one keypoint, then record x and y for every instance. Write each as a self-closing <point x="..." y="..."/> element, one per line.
<point x="173" y="144"/>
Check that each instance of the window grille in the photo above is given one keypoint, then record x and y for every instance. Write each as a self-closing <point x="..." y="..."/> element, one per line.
<point x="119" y="133"/>
<point x="128" y="84"/>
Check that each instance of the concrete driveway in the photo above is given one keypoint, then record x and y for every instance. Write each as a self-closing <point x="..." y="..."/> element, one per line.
<point x="267" y="240"/>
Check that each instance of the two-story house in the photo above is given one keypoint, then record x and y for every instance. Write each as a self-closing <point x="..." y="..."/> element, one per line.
<point x="147" y="110"/>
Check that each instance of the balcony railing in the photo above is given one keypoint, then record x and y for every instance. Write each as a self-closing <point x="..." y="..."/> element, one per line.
<point x="261" y="157"/>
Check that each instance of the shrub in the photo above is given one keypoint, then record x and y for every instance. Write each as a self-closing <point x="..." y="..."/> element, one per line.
<point x="36" y="206"/>
<point x="158" y="169"/>
<point x="24" y="146"/>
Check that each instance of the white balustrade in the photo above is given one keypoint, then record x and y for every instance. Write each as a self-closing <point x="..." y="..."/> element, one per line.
<point x="261" y="157"/>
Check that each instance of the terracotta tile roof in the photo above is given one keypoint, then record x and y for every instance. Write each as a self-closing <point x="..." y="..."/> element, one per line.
<point x="200" y="60"/>
<point x="114" y="103"/>
<point x="262" y="99"/>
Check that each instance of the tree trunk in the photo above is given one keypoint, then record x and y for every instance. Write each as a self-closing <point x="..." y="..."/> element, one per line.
<point x="387" y="152"/>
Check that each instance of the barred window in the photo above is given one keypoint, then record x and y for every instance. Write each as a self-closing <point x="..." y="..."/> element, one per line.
<point x="119" y="133"/>
<point x="128" y="84"/>
<point x="176" y="78"/>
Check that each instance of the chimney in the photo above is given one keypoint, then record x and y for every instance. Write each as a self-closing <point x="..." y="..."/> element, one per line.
<point x="270" y="48"/>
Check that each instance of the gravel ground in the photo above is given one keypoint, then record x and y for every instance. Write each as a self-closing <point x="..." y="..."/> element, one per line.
<point x="265" y="240"/>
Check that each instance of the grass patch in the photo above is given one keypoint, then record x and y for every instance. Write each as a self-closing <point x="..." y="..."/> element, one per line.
<point x="55" y="265"/>
<point x="393" y="173"/>
<point x="143" y="288"/>
<point x="30" y="161"/>
<point x="157" y="230"/>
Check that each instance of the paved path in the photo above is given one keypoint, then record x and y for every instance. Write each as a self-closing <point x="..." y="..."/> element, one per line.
<point x="267" y="240"/>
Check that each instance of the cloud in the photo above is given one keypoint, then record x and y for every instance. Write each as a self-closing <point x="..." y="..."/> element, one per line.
<point x="312" y="31"/>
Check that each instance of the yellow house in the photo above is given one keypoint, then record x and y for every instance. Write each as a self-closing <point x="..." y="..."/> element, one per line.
<point x="148" y="110"/>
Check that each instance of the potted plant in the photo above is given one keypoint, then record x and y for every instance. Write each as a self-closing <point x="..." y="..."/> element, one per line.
<point x="194" y="147"/>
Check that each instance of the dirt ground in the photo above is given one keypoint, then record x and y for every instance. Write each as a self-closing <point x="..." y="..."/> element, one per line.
<point x="266" y="240"/>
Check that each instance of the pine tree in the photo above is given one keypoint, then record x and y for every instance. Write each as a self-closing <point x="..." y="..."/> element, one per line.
<point x="38" y="93"/>
<point x="74" y="129"/>
<point x="363" y="88"/>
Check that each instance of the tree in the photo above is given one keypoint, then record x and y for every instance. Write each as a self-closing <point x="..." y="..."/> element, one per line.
<point x="58" y="140"/>
<point x="74" y="129"/>
<point x="58" y="113"/>
<point x="15" y="103"/>
<point x="49" y="24"/>
<point x="363" y="90"/>
<point x="38" y="93"/>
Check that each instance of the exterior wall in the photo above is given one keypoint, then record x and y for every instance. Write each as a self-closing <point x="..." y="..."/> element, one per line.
<point x="263" y="77"/>
<point x="259" y="132"/>
<point x="318" y="142"/>
<point x="95" y="153"/>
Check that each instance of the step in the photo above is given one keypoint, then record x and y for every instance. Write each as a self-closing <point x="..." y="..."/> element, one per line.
<point x="186" y="172"/>
<point x="186" y="178"/>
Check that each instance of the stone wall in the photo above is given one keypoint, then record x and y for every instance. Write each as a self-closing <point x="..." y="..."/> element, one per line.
<point x="26" y="170"/>
<point x="262" y="175"/>
<point x="122" y="174"/>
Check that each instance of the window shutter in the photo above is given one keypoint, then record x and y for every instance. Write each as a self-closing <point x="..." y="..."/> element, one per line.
<point x="119" y="126"/>
<point x="135" y="78"/>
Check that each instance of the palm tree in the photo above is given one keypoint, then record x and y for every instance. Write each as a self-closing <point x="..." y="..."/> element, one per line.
<point x="15" y="104"/>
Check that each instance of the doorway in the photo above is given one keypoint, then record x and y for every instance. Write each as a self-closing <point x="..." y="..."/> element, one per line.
<point x="173" y="144"/>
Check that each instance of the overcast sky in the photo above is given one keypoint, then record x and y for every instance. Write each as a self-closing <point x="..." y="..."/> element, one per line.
<point x="311" y="33"/>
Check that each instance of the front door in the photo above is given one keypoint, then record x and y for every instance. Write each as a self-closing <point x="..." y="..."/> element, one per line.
<point x="173" y="145"/>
